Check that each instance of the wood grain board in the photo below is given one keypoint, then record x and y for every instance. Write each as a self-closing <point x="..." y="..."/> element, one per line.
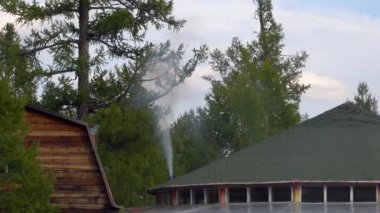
<point x="65" y="152"/>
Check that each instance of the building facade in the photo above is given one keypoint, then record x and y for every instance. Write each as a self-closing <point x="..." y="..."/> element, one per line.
<point x="67" y="152"/>
<point x="332" y="157"/>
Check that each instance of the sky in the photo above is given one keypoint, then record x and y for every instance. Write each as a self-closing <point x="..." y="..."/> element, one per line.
<point x="342" y="38"/>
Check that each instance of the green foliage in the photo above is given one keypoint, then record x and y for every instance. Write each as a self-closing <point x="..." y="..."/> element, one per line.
<point x="20" y="69"/>
<point x="259" y="90"/>
<point x="364" y="99"/>
<point x="113" y="29"/>
<point x="119" y="98"/>
<point x="190" y="146"/>
<point x="23" y="184"/>
<point x="130" y="152"/>
<point x="60" y="96"/>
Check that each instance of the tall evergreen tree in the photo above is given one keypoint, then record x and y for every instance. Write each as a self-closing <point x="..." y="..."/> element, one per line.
<point x="190" y="145"/>
<point x="259" y="91"/>
<point x="23" y="185"/>
<point x="129" y="149"/>
<point x="112" y="29"/>
<point x="20" y="69"/>
<point x="364" y="99"/>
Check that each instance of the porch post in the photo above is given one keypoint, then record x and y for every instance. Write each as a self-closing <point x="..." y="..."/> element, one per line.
<point x="223" y="195"/>
<point x="174" y="197"/>
<point x="296" y="193"/>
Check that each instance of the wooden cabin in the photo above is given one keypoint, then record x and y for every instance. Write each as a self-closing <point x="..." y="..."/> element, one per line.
<point x="68" y="152"/>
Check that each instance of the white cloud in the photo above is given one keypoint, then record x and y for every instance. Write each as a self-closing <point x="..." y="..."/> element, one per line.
<point x="324" y="88"/>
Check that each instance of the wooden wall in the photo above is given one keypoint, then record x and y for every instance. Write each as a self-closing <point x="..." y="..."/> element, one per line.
<point x="66" y="152"/>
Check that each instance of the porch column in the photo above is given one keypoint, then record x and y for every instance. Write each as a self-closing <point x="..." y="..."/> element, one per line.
<point x="351" y="194"/>
<point x="205" y="195"/>
<point x="270" y="194"/>
<point x="191" y="197"/>
<point x="174" y="197"/>
<point x="248" y="194"/>
<point x="378" y="193"/>
<point x="325" y="194"/>
<point x="296" y="193"/>
<point x="223" y="195"/>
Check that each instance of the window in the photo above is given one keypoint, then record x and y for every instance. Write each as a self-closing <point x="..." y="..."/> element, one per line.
<point x="338" y="194"/>
<point x="199" y="198"/>
<point x="312" y="194"/>
<point x="184" y="197"/>
<point x="259" y="194"/>
<point x="364" y="193"/>
<point x="238" y="195"/>
<point x="281" y="194"/>
<point x="212" y="195"/>
<point x="164" y="199"/>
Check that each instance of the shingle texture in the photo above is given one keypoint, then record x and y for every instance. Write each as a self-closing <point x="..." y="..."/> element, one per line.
<point x="342" y="144"/>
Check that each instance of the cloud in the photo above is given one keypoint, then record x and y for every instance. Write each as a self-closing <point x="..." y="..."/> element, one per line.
<point x="343" y="46"/>
<point x="323" y="88"/>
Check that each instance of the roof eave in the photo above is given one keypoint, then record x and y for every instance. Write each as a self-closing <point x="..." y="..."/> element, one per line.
<point x="173" y="186"/>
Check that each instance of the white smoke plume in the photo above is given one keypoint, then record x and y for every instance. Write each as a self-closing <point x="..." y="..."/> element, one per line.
<point x="166" y="143"/>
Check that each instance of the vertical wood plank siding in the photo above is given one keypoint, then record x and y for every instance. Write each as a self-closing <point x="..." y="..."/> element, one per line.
<point x="65" y="151"/>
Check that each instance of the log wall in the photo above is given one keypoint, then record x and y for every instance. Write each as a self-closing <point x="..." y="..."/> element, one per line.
<point x="65" y="151"/>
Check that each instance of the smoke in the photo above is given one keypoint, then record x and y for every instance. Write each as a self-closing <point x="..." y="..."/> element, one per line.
<point x="166" y="143"/>
<point x="164" y="116"/>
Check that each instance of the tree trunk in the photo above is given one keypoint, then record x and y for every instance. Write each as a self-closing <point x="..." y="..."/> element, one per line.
<point x="263" y="33"/>
<point x="83" y="59"/>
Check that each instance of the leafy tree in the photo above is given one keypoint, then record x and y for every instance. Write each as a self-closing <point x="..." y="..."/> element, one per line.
<point x="129" y="149"/>
<point x="259" y="90"/>
<point x="190" y="145"/>
<point x="20" y="69"/>
<point x="364" y="99"/>
<point x="23" y="184"/>
<point x="112" y="29"/>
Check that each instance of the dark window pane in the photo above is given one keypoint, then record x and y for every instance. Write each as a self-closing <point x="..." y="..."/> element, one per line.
<point x="184" y="197"/>
<point x="259" y="194"/>
<point x="198" y="196"/>
<point x="213" y="195"/>
<point x="312" y="194"/>
<point x="238" y="195"/>
<point x="338" y="194"/>
<point x="164" y="199"/>
<point x="281" y="194"/>
<point x="364" y="194"/>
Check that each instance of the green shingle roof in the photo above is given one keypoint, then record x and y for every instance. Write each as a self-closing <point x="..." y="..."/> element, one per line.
<point x="342" y="144"/>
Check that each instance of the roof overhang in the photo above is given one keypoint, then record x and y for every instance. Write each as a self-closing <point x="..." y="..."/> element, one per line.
<point x="292" y="182"/>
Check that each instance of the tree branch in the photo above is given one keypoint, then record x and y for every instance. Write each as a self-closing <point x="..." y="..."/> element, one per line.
<point x="32" y="51"/>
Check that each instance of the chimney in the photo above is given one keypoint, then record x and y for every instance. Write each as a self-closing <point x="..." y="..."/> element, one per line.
<point x="94" y="133"/>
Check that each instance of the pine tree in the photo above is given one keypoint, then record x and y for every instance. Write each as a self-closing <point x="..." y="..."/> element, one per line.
<point x="364" y="99"/>
<point x="21" y="69"/>
<point x="113" y="29"/>
<point x="130" y="153"/>
<point x="190" y="146"/>
<point x="23" y="184"/>
<point x="259" y="93"/>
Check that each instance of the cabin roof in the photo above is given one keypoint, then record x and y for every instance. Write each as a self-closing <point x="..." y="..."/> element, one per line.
<point x="92" y="145"/>
<point x="341" y="144"/>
